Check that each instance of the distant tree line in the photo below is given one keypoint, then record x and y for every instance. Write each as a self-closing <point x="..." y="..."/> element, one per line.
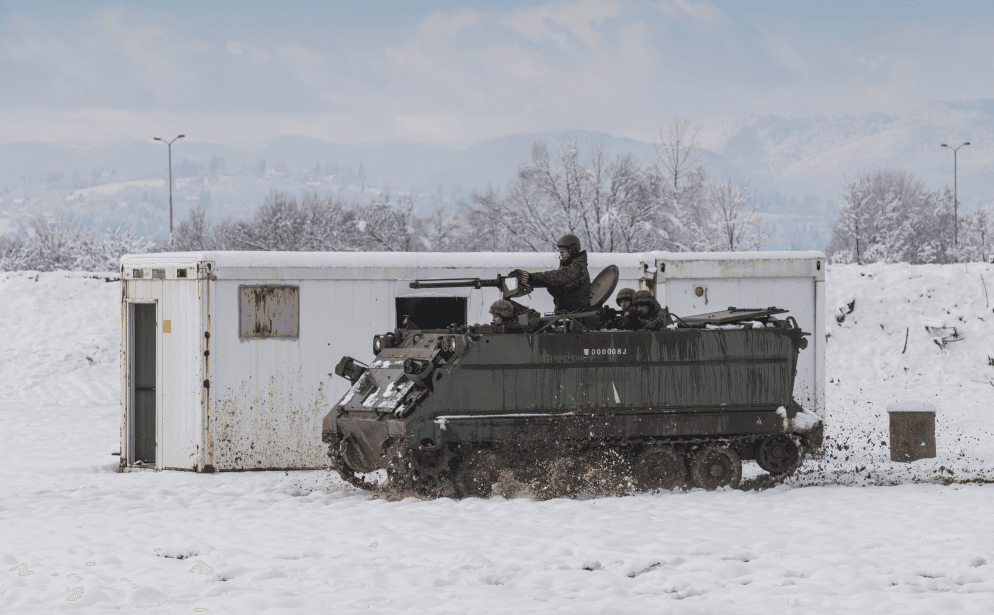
<point x="612" y="204"/>
<point x="889" y="216"/>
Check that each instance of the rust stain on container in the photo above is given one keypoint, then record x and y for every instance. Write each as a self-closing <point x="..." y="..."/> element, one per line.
<point x="269" y="311"/>
<point x="912" y="435"/>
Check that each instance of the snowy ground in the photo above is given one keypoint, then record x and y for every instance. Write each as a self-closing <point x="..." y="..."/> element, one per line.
<point x="851" y="532"/>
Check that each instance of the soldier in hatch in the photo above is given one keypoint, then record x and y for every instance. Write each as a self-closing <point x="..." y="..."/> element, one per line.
<point x="570" y="284"/>
<point x="648" y="312"/>
<point x="625" y="318"/>
<point x="502" y="311"/>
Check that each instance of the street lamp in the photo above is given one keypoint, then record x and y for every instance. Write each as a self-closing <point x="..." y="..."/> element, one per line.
<point x="955" y="197"/>
<point x="170" y="145"/>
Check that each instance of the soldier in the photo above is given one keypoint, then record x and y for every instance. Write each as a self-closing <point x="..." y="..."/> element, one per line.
<point x="624" y="298"/>
<point x="624" y="319"/>
<point x="649" y="313"/>
<point x="503" y="312"/>
<point x="570" y="284"/>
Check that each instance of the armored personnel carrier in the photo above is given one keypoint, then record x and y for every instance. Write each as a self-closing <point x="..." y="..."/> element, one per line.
<point x="560" y="400"/>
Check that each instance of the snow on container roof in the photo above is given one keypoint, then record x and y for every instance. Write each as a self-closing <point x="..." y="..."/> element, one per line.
<point x="305" y="260"/>
<point x="911" y="406"/>
<point x="258" y="259"/>
<point x="736" y="256"/>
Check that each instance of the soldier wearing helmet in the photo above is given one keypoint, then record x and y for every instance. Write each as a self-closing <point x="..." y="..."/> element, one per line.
<point x="649" y="313"/>
<point x="570" y="284"/>
<point x="625" y="318"/>
<point x="624" y="298"/>
<point x="502" y="311"/>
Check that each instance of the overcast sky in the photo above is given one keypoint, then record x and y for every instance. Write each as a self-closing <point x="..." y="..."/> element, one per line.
<point x="456" y="73"/>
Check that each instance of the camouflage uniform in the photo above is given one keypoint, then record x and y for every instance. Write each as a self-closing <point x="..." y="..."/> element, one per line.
<point x="570" y="284"/>
<point x="624" y="319"/>
<point x="650" y="322"/>
<point x="504" y="309"/>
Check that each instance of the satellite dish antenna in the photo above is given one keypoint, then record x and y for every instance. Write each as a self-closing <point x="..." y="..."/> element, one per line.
<point x="603" y="286"/>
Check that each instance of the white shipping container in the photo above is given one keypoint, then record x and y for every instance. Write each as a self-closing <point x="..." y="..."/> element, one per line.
<point x="240" y="361"/>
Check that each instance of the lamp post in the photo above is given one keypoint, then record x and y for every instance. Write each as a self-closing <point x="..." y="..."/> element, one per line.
<point x="170" y="145"/>
<point x="955" y="196"/>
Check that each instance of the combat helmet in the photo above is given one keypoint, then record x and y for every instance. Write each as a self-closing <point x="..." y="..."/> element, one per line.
<point x="571" y="243"/>
<point x="502" y="308"/>
<point x="623" y="294"/>
<point x="643" y="297"/>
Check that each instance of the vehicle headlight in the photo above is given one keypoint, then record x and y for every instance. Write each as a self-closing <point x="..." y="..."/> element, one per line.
<point x="377" y="344"/>
<point x="452" y="344"/>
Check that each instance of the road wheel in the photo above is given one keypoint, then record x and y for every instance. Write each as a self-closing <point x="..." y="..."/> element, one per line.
<point x="659" y="467"/>
<point x="777" y="454"/>
<point x="715" y="466"/>
<point x="476" y="472"/>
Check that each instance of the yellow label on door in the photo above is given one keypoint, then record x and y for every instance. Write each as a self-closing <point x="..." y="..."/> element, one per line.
<point x="167" y="326"/>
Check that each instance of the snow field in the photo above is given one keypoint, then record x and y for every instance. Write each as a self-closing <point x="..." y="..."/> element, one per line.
<point x="305" y="542"/>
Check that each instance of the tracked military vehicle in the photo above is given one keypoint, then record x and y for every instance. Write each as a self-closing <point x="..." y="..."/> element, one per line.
<point x="559" y="400"/>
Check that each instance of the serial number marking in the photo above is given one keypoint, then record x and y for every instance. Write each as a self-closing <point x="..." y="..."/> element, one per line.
<point x="590" y="352"/>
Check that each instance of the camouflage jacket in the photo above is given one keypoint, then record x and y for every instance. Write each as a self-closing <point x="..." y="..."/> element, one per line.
<point x="569" y="285"/>
<point x="653" y="322"/>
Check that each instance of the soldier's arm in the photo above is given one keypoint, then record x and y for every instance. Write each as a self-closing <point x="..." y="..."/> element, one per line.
<point x="568" y="276"/>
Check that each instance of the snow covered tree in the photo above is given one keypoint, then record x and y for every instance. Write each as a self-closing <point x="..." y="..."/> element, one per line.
<point x="684" y="179"/>
<point x="889" y="216"/>
<point x="65" y="244"/>
<point x="723" y="220"/>
<point x="195" y="234"/>
<point x="611" y="205"/>
<point x="386" y="226"/>
<point x="978" y="239"/>
<point x="283" y="224"/>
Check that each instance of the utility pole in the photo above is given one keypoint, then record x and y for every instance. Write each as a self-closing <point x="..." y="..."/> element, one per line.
<point x="955" y="196"/>
<point x="170" y="145"/>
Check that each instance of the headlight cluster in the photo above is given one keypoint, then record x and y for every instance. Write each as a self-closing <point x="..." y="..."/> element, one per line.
<point x="382" y="341"/>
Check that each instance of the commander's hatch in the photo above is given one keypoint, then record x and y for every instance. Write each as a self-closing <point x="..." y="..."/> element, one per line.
<point x="731" y="316"/>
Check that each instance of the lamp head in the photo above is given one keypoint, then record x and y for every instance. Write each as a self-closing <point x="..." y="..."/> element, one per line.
<point x="967" y="143"/>
<point x="944" y="145"/>
<point x="181" y="136"/>
<point x="157" y="139"/>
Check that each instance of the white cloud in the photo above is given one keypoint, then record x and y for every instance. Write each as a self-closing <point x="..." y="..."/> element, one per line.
<point x="456" y="77"/>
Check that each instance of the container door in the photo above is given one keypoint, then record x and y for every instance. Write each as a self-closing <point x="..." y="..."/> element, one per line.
<point x="144" y="379"/>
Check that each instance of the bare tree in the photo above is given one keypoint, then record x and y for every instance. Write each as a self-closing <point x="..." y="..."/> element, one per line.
<point x="724" y="221"/>
<point x="195" y="234"/>
<point x="889" y="216"/>
<point x="282" y="224"/>
<point x="386" y="226"/>
<point x="611" y="205"/>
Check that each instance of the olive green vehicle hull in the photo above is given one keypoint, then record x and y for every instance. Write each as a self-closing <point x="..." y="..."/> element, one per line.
<point x="731" y="385"/>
